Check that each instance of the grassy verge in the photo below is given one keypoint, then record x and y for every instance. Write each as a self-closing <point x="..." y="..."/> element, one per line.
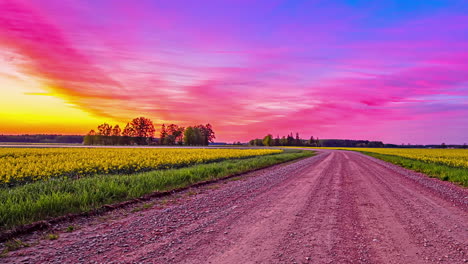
<point x="48" y="199"/>
<point x="443" y="172"/>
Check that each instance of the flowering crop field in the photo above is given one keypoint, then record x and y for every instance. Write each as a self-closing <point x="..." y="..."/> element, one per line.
<point x="445" y="164"/>
<point x="450" y="157"/>
<point x="21" y="165"/>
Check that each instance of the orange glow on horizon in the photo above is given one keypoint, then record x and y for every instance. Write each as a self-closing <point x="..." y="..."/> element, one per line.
<point x="26" y="109"/>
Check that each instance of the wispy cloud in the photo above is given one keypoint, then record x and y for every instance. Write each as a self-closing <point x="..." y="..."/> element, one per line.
<point x="247" y="68"/>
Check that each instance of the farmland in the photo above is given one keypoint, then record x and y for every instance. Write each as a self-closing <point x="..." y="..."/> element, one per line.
<point x="336" y="207"/>
<point x="58" y="181"/>
<point x="21" y="165"/>
<point x="449" y="157"/>
<point x="445" y="164"/>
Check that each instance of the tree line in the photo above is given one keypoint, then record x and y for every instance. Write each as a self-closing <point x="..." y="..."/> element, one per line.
<point x="141" y="131"/>
<point x="42" y="138"/>
<point x="200" y="135"/>
<point x="288" y="140"/>
<point x="348" y="143"/>
<point x="443" y="146"/>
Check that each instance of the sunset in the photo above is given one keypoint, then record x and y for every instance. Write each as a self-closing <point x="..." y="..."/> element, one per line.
<point x="393" y="71"/>
<point x="234" y="131"/>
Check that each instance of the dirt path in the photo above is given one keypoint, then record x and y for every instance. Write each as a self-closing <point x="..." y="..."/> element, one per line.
<point x="337" y="207"/>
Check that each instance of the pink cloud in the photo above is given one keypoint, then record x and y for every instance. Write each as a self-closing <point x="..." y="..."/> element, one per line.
<point x="245" y="78"/>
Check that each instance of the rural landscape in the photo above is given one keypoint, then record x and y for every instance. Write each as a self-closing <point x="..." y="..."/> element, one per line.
<point x="233" y="131"/>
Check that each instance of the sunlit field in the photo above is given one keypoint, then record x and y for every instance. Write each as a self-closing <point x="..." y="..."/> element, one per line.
<point x="450" y="157"/>
<point x="32" y="164"/>
<point x="446" y="164"/>
<point x="48" y="182"/>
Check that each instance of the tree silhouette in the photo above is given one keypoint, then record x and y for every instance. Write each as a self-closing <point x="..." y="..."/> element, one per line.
<point x="142" y="127"/>
<point x="207" y="134"/>
<point x="312" y="141"/>
<point x="105" y="130"/>
<point x="116" y="131"/>
<point x="283" y="141"/>
<point x="298" y="141"/>
<point x="277" y="141"/>
<point x="128" y="131"/>
<point x="189" y="136"/>
<point x="115" y="135"/>
<point x="89" y="139"/>
<point x="290" y="139"/>
<point x="268" y="140"/>
<point x="141" y="131"/>
<point x="196" y="135"/>
<point x="171" y="135"/>
<point x="176" y="133"/>
<point x="162" y="134"/>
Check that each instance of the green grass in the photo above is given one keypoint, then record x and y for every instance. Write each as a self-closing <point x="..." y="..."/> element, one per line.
<point x="12" y="245"/>
<point x="435" y="170"/>
<point x="15" y="244"/>
<point x="52" y="237"/>
<point x="44" y="200"/>
<point x="143" y="207"/>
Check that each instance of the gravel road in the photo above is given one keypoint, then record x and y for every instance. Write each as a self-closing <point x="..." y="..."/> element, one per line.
<point x="336" y="207"/>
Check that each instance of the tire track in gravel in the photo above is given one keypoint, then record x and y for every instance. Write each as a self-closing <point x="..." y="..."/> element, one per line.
<point x="336" y="207"/>
<point x="268" y="231"/>
<point x="418" y="227"/>
<point x="312" y="235"/>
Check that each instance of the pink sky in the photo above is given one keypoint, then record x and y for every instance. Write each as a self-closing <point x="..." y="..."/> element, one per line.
<point x="391" y="72"/>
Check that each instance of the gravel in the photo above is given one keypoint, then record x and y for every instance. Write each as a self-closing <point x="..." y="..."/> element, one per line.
<point x="336" y="207"/>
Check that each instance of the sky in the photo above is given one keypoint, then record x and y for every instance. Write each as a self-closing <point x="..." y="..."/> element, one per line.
<point x="395" y="71"/>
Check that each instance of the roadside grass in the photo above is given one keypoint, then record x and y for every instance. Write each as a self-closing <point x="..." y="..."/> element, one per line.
<point x="52" y="236"/>
<point x="44" y="200"/>
<point x="12" y="245"/>
<point x="143" y="207"/>
<point x="191" y="193"/>
<point x="435" y="170"/>
<point x="70" y="228"/>
<point x="235" y="179"/>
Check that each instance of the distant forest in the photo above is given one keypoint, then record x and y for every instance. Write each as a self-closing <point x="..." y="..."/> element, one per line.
<point x="41" y="138"/>
<point x="291" y="140"/>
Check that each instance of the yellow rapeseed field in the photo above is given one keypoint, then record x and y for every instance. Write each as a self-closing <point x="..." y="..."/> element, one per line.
<point x="450" y="157"/>
<point x="33" y="164"/>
